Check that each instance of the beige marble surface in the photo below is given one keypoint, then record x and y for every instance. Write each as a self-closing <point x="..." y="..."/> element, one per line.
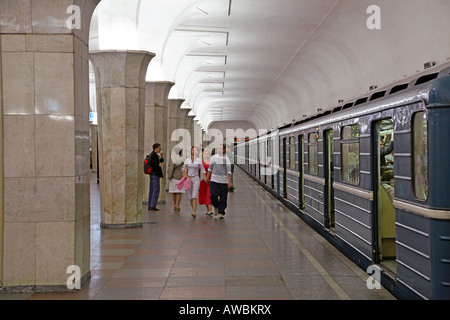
<point x="121" y="90"/>
<point x="44" y="90"/>
<point x="155" y="123"/>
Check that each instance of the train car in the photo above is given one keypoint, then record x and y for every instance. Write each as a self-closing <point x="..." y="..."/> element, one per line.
<point x="372" y="176"/>
<point x="267" y="161"/>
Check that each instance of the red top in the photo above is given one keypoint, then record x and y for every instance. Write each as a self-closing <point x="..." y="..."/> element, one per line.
<point x="204" y="195"/>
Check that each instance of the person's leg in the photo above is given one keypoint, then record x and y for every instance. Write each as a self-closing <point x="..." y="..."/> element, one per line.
<point x="195" y="187"/>
<point x="194" y="206"/>
<point x="150" y="192"/>
<point x="214" y="194"/>
<point x="178" y="201"/>
<point x="155" y="190"/>
<point x="174" y="200"/>
<point x="223" y="194"/>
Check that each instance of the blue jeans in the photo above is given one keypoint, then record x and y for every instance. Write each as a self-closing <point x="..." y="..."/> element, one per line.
<point x="153" y="194"/>
<point x="219" y="195"/>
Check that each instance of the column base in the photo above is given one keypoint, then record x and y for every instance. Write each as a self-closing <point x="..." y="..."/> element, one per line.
<point x="43" y="288"/>
<point x="145" y="202"/>
<point x="120" y="225"/>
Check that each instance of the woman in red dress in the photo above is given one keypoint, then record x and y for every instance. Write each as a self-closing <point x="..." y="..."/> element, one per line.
<point x="204" y="195"/>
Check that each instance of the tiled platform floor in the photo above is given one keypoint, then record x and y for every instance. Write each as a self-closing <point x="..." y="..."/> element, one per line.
<point x="259" y="251"/>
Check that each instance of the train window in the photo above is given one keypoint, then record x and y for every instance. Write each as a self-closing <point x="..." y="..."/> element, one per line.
<point x="292" y="153"/>
<point x="313" y="157"/>
<point x="420" y="166"/>
<point x="350" y="154"/>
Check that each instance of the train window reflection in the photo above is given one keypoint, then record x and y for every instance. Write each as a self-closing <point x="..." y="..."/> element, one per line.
<point x="313" y="158"/>
<point x="420" y="156"/>
<point x="350" y="154"/>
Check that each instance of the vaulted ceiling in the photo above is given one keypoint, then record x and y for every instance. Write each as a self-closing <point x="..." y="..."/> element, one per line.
<point x="273" y="62"/>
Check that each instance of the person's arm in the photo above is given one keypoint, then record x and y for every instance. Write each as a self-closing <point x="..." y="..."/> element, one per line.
<point x="210" y="169"/>
<point x="184" y="168"/>
<point x="170" y="170"/>
<point x="229" y="173"/>
<point x="202" y="170"/>
<point x="388" y="150"/>
<point x="204" y="173"/>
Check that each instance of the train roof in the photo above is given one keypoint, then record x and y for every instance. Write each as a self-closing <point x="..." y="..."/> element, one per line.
<point x="433" y="88"/>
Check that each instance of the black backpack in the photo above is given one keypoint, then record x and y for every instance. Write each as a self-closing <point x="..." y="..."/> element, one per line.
<point x="147" y="168"/>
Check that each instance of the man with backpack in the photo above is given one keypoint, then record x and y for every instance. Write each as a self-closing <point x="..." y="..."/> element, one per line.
<point x="155" y="163"/>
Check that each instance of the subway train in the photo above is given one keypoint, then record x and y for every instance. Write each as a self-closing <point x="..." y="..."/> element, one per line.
<point x="372" y="176"/>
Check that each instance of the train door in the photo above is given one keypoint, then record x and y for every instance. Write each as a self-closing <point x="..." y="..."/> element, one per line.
<point x="284" y="155"/>
<point x="247" y="167"/>
<point x="262" y="162"/>
<point x="301" y="183"/>
<point x="272" y="163"/>
<point x="259" y="159"/>
<point x="254" y="158"/>
<point x="329" y="178"/>
<point x="251" y="161"/>
<point x="384" y="237"/>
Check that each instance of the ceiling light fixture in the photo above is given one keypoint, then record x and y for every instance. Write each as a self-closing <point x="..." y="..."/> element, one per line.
<point x="201" y="10"/>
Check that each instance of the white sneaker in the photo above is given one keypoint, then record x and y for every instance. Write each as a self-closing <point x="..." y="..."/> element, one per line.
<point x="193" y="214"/>
<point x="219" y="216"/>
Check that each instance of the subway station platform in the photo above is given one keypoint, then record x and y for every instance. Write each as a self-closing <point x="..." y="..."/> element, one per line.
<point x="260" y="251"/>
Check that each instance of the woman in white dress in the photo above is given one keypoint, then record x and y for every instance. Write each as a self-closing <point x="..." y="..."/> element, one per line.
<point x="193" y="168"/>
<point x="174" y="174"/>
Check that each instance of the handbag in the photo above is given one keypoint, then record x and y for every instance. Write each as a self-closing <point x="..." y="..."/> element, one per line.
<point x="180" y="184"/>
<point x="187" y="183"/>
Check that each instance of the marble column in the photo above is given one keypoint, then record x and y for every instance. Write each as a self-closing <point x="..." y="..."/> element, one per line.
<point x="174" y="105"/>
<point x="156" y="119"/>
<point x="172" y="124"/>
<point x="45" y="136"/>
<point x="198" y="135"/>
<point x="190" y="127"/>
<point x="93" y="138"/>
<point x="183" y="125"/>
<point x="1" y="167"/>
<point x="120" y="81"/>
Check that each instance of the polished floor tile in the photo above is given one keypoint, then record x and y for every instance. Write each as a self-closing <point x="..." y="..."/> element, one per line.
<point x="259" y="251"/>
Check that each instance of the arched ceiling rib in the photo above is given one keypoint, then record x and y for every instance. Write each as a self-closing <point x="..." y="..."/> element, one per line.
<point x="272" y="62"/>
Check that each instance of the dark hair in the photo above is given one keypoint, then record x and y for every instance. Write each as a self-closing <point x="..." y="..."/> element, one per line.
<point x="387" y="175"/>
<point x="178" y="151"/>
<point x="156" y="145"/>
